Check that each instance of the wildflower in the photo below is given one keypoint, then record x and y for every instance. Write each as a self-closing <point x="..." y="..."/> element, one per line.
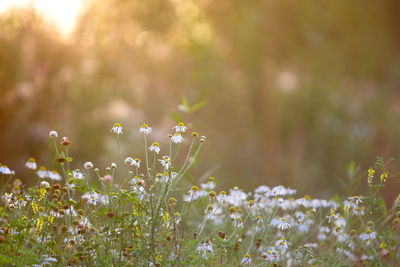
<point x="238" y="222"/>
<point x="332" y="216"/>
<point x="50" y="260"/>
<point x="259" y="220"/>
<point x="88" y="165"/>
<point x="384" y="177"/>
<point x="155" y="147"/>
<point x="136" y="162"/>
<point x="5" y="170"/>
<point x="77" y="174"/>
<point x="113" y="165"/>
<point x="370" y="178"/>
<point x="359" y="211"/>
<point x="221" y="196"/>
<point x="54" y="176"/>
<point x="280" y="223"/>
<point x="209" y="209"/>
<point x="282" y="191"/>
<point x="270" y="255"/>
<point x="246" y="259"/>
<point x="129" y="161"/>
<point x="180" y="128"/>
<point x="177" y="138"/>
<point x="369" y="234"/>
<point x="146" y="129"/>
<point x="236" y="197"/>
<point x="65" y="141"/>
<point x="44" y="184"/>
<point x="165" y="162"/>
<point x="31" y="164"/>
<point x="42" y="172"/>
<point x="282" y="244"/>
<point x="205" y="248"/>
<point x="356" y="199"/>
<point x="117" y="128"/>
<point x="53" y="134"/>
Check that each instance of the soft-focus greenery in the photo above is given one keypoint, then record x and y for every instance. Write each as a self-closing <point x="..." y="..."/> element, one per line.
<point x="290" y="91"/>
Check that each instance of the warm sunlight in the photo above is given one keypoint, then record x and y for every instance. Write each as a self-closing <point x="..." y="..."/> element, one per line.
<point x="60" y="12"/>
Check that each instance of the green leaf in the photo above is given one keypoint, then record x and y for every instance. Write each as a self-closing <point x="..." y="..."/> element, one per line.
<point x="382" y="205"/>
<point x="350" y="169"/>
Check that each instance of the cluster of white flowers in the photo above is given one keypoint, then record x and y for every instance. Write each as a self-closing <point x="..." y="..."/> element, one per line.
<point x="43" y="173"/>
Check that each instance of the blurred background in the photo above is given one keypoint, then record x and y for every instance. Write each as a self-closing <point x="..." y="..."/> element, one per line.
<point x="286" y="92"/>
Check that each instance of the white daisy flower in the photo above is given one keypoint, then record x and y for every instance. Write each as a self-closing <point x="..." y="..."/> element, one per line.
<point x="177" y="138"/>
<point x="356" y="199"/>
<point x="42" y="172"/>
<point x="281" y="244"/>
<point x="369" y="234"/>
<point x="88" y="165"/>
<point x="117" y="128"/>
<point x="155" y="147"/>
<point x="280" y="223"/>
<point x="136" y="162"/>
<point x="180" y="128"/>
<point x="221" y="197"/>
<point x="165" y="162"/>
<point x="236" y="197"/>
<point x="31" y="164"/>
<point x="5" y="170"/>
<point x="246" y="259"/>
<point x="146" y="129"/>
<point x="53" y="175"/>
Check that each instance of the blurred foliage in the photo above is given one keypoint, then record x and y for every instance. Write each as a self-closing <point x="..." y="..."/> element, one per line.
<point x="286" y="92"/>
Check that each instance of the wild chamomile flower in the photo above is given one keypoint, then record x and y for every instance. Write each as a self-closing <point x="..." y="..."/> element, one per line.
<point x="281" y="244"/>
<point x="42" y="172"/>
<point x="270" y="255"/>
<point x="280" y="223"/>
<point x="31" y="164"/>
<point x="246" y="259"/>
<point x="155" y="147"/>
<point x="238" y="222"/>
<point x="368" y="235"/>
<point x="136" y="162"/>
<point x="54" y="175"/>
<point x="146" y="129"/>
<point x="177" y="138"/>
<point x="5" y="170"/>
<point x="259" y="220"/>
<point x="356" y="199"/>
<point x="221" y="197"/>
<point x="117" y="128"/>
<point x="332" y="216"/>
<point x="359" y="211"/>
<point x="165" y="162"/>
<point x="180" y="128"/>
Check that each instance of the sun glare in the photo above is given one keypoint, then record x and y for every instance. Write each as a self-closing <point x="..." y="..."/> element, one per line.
<point x="61" y="13"/>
